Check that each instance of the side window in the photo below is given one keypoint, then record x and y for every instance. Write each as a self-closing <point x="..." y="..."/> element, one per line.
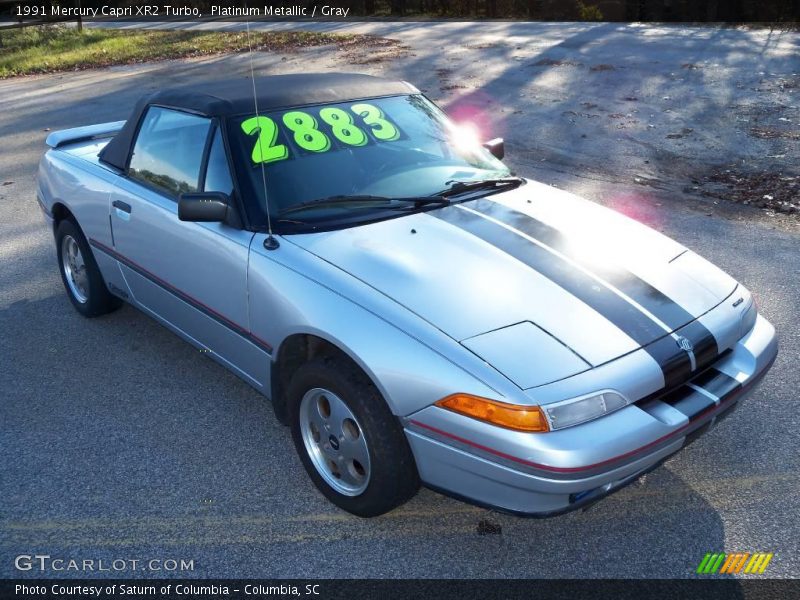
<point x="218" y="174"/>
<point x="168" y="151"/>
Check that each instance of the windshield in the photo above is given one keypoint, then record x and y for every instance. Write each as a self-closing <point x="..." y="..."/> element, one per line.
<point x="397" y="147"/>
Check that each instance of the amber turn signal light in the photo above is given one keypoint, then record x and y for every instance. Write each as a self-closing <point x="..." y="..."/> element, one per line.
<point x="510" y="416"/>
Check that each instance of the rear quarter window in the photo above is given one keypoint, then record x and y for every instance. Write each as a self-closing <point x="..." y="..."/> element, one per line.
<point x="168" y="152"/>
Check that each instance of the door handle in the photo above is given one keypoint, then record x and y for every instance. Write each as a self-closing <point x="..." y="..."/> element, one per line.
<point x="123" y="206"/>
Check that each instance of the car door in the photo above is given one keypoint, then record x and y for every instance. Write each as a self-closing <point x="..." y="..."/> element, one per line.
<point x="191" y="276"/>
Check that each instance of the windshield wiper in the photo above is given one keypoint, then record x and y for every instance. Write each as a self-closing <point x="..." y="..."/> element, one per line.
<point x="415" y="201"/>
<point x="458" y="187"/>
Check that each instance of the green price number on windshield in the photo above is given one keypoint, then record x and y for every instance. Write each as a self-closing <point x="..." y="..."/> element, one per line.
<point x="306" y="134"/>
<point x="265" y="150"/>
<point x="373" y="116"/>
<point x="342" y="126"/>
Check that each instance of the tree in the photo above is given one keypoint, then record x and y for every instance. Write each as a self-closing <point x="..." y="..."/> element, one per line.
<point x="398" y="7"/>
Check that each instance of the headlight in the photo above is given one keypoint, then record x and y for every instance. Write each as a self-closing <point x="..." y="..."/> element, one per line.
<point x="579" y="410"/>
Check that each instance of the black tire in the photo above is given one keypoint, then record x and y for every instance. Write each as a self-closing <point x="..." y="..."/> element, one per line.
<point x="97" y="299"/>
<point x="393" y="477"/>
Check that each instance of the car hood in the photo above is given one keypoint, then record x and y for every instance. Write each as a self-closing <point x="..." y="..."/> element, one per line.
<point x="534" y="272"/>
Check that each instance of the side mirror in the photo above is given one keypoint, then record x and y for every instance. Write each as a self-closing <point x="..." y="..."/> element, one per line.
<point x="496" y="147"/>
<point x="203" y="207"/>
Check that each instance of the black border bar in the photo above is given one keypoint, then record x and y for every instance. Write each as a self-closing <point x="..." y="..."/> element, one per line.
<point x="710" y="587"/>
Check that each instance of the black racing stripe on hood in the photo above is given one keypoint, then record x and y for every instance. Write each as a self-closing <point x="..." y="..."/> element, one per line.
<point x="674" y="362"/>
<point x="653" y="300"/>
<point x="706" y="350"/>
<point x="623" y="314"/>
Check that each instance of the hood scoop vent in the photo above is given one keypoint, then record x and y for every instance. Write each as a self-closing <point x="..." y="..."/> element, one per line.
<point x="527" y="354"/>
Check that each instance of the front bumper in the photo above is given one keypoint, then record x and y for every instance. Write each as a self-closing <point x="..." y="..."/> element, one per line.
<point x="548" y="474"/>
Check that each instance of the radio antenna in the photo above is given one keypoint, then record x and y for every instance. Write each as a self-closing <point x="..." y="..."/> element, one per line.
<point x="270" y="243"/>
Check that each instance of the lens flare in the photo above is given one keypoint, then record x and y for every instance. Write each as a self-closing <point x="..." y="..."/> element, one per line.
<point x="465" y="137"/>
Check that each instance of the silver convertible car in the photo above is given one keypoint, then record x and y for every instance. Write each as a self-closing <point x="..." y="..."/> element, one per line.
<point x="415" y="312"/>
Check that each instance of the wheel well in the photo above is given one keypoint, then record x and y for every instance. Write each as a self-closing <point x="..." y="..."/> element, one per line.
<point x="295" y="351"/>
<point x="61" y="212"/>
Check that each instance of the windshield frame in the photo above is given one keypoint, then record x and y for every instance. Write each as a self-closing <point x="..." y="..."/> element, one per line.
<point x="256" y="215"/>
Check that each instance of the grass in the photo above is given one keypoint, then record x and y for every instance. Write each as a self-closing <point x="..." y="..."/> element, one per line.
<point x="54" y="48"/>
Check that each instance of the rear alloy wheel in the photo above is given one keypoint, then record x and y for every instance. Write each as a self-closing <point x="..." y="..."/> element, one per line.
<point x="351" y="445"/>
<point x="80" y="273"/>
<point x="74" y="268"/>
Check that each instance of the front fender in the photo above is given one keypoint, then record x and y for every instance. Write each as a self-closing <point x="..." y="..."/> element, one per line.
<point x="411" y="363"/>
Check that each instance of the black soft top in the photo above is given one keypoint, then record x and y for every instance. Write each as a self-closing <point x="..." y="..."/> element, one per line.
<point x="233" y="97"/>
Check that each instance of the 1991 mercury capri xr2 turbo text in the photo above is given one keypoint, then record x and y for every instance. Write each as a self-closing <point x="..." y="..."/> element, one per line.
<point x="414" y="312"/>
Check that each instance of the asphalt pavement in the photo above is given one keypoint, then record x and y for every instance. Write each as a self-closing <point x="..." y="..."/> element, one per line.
<point x="120" y="441"/>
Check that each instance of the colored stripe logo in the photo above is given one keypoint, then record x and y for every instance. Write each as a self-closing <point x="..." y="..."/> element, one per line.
<point x="738" y="562"/>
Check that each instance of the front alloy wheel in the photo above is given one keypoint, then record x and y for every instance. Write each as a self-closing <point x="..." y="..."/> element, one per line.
<point x="351" y="445"/>
<point x="334" y="441"/>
